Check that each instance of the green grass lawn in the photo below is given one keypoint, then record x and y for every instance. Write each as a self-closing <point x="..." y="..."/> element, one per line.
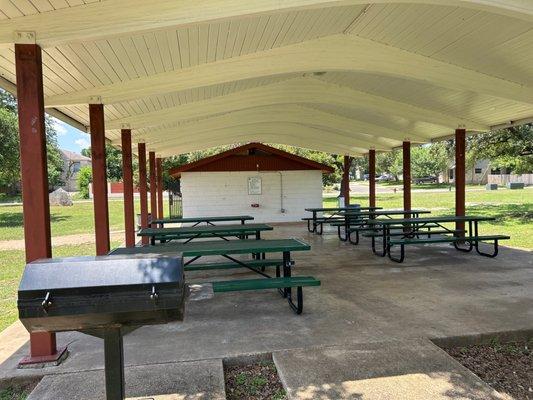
<point x="12" y="264"/>
<point x="64" y="220"/>
<point x="513" y="210"/>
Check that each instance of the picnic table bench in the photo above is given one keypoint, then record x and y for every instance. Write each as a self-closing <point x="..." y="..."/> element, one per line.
<point x="358" y="221"/>
<point x="196" y="232"/>
<point x="199" y="220"/>
<point x="412" y="229"/>
<point x="334" y="214"/>
<point x="228" y="249"/>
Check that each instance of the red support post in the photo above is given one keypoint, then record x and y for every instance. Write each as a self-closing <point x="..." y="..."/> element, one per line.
<point x="159" y="168"/>
<point x="372" y="178"/>
<point x="127" y="179"/>
<point x="34" y="179"/>
<point x="99" y="184"/>
<point x="143" y="189"/>
<point x="153" y="186"/>
<point x="460" y="171"/>
<point x="346" y="180"/>
<point x="406" y="148"/>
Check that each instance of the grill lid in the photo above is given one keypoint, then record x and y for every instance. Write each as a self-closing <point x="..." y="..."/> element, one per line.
<point x="100" y="271"/>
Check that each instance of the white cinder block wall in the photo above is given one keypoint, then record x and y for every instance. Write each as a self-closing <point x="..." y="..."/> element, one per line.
<point x="226" y="193"/>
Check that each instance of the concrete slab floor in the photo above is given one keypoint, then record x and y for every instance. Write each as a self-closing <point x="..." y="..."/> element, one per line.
<point x="408" y="369"/>
<point x="437" y="292"/>
<point x="196" y="380"/>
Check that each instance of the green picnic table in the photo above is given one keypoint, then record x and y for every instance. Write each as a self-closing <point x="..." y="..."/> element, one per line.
<point x="334" y="214"/>
<point x="228" y="249"/>
<point x="195" y="232"/>
<point x="409" y="230"/>
<point x="199" y="220"/>
<point x="359" y="219"/>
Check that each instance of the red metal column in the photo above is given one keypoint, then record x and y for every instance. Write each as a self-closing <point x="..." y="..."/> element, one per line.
<point x="460" y="171"/>
<point x="372" y="178"/>
<point x="127" y="179"/>
<point x="406" y="147"/>
<point x="143" y="189"/>
<point x="101" y="211"/>
<point x="346" y="180"/>
<point x="153" y="186"/>
<point x="159" y="168"/>
<point x="34" y="177"/>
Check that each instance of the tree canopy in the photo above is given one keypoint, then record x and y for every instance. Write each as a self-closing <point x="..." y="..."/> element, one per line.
<point x="9" y="147"/>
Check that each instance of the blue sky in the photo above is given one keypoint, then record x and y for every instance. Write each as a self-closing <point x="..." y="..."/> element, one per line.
<point x="70" y="138"/>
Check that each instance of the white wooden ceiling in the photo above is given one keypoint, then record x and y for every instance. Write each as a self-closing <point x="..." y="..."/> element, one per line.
<point x="339" y="76"/>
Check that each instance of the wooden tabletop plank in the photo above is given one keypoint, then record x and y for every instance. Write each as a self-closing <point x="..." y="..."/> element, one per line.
<point x="444" y="218"/>
<point x="222" y="218"/>
<point x="219" y="247"/>
<point x="205" y="230"/>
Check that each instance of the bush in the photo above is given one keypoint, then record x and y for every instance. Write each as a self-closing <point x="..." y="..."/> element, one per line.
<point x="85" y="176"/>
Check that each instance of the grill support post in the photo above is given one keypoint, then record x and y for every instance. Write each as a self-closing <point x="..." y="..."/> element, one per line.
<point x="34" y="179"/>
<point x="372" y="178"/>
<point x="153" y="186"/>
<point x="127" y="178"/>
<point x="114" y="364"/>
<point x="142" y="189"/>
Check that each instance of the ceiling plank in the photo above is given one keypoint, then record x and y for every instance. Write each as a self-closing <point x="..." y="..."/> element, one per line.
<point x="111" y="17"/>
<point x="337" y="53"/>
<point x="297" y="114"/>
<point x="293" y="91"/>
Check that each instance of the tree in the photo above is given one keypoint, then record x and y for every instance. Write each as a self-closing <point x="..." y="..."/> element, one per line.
<point x="9" y="148"/>
<point x="510" y="148"/>
<point x="113" y="162"/>
<point x="390" y="163"/>
<point x="9" y="159"/>
<point x="85" y="176"/>
<point x="425" y="162"/>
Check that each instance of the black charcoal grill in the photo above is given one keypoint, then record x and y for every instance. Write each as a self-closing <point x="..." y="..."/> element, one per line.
<point x="104" y="296"/>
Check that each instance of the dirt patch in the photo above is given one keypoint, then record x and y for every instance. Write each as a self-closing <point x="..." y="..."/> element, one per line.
<point x="18" y="392"/>
<point x="508" y="368"/>
<point x="257" y="381"/>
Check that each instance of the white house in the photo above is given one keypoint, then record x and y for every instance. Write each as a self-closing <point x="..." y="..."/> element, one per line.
<point x="258" y="180"/>
<point x="72" y="162"/>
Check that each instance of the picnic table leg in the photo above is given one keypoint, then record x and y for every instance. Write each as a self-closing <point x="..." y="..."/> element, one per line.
<point x="287" y="272"/>
<point x="152" y="240"/>
<point x="384" y="244"/>
<point x="356" y="237"/>
<point x="471" y="242"/>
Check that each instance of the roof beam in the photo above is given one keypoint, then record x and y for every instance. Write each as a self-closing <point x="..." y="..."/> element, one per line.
<point x="300" y="115"/>
<point x="332" y="53"/>
<point x="331" y="136"/>
<point x="293" y="91"/>
<point x="113" y="18"/>
<point x="274" y="132"/>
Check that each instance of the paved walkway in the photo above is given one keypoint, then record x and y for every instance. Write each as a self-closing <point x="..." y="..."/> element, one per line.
<point x="80" y="238"/>
<point x="364" y="300"/>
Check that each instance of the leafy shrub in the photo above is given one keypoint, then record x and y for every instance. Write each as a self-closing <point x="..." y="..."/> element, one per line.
<point x="85" y="176"/>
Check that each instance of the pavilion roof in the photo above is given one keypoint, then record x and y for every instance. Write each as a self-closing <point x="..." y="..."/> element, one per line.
<point x="337" y="76"/>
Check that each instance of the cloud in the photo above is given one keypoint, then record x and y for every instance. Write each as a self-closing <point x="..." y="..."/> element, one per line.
<point x="83" y="143"/>
<point x="60" y="127"/>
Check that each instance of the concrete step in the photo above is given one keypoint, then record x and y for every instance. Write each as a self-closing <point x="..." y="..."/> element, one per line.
<point x="410" y="370"/>
<point x="173" y="381"/>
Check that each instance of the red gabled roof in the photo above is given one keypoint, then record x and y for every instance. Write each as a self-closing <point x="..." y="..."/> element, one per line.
<point x="243" y="158"/>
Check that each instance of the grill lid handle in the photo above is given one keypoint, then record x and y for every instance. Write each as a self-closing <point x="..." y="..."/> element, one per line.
<point x="46" y="302"/>
<point x="154" y="296"/>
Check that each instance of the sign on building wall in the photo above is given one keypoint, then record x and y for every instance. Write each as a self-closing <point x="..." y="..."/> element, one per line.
<point x="254" y="185"/>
